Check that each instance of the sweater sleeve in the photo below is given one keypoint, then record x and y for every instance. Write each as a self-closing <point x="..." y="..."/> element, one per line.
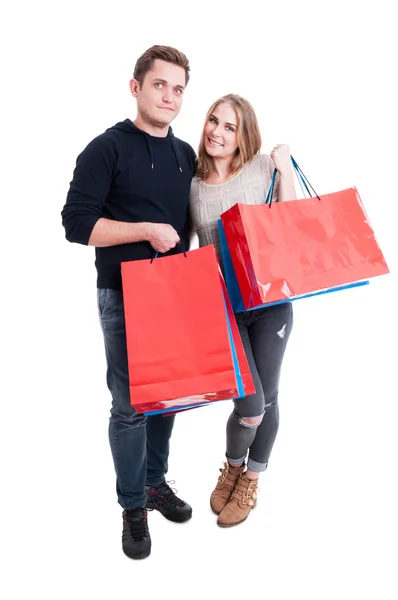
<point x="89" y="188"/>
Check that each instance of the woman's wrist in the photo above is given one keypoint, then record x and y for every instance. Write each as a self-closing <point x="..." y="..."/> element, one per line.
<point x="286" y="174"/>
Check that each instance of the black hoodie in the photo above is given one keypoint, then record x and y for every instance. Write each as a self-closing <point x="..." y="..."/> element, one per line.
<point x="127" y="175"/>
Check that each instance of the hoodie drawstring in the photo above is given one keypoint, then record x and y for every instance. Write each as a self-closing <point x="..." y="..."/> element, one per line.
<point x="149" y="149"/>
<point x="173" y="145"/>
<point x="129" y="127"/>
<point x="175" y="151"/>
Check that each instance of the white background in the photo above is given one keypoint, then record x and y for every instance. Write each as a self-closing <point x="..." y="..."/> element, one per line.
<point x="321" y="78"/>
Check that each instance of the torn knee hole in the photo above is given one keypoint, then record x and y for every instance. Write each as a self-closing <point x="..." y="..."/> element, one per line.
<point x="251" y="422"/>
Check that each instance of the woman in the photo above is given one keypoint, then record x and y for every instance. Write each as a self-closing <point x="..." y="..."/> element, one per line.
<point x="230" y="170"/>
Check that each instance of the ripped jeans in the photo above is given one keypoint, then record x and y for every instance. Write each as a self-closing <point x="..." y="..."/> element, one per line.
<point x="253" y="424"/>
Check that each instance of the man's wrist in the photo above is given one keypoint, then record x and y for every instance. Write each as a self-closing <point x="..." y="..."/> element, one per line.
<point x="146" y="231"/>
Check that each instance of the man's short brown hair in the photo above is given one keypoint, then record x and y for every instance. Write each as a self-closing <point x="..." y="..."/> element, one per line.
<point x="166" y="53"/>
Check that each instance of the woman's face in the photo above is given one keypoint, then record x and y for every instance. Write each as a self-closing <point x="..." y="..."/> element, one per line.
<point x="221" y="132"/>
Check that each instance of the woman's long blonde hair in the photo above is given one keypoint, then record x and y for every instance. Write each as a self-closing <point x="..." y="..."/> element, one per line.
<point x="249" y="137"/>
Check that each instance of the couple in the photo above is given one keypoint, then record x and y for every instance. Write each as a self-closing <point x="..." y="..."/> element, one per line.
<point x="136" y="188"/>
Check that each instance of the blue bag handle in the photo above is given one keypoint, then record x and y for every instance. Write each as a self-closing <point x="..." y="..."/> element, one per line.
<point x="303" y="180"/>
<point x="156" y="254"/>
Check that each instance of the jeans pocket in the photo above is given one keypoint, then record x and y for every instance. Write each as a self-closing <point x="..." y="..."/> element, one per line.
<point x="110" y="307"/>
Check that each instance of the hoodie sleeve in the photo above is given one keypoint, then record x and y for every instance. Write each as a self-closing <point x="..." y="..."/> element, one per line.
<point x="88" y="190"/>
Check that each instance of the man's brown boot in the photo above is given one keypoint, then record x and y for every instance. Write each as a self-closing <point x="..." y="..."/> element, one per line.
<point x="243" y="499"/>
<point x="225" y="486"/>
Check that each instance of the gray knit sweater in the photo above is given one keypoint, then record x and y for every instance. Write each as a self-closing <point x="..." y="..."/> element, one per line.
<point x="207" y="201"/>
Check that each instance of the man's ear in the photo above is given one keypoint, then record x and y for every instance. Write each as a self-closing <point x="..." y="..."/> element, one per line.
<point x="134" y="87"/>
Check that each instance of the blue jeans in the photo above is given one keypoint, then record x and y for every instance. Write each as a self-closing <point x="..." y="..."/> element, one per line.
<point x="139" y="444"/>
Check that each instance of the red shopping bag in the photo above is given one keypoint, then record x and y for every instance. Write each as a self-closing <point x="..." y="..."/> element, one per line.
<point x="177" y="330"/>
<point x="241" y="364"/>
<point x="289" y="249"/>
<point x="244" y="369"/>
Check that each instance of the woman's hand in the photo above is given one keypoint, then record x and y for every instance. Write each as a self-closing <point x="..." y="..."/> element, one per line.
<point x="281" y="159"/>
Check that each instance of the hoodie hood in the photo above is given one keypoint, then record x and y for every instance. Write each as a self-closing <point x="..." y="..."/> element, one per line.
<point x="128" y="127"/>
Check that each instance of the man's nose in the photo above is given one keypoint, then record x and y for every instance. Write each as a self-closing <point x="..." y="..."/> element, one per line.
<point x="168" y="95"/>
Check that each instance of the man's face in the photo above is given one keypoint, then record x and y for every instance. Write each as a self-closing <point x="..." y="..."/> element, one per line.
<point x="159" y="98"/>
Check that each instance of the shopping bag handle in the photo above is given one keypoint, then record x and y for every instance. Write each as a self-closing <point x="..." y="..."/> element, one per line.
<point x="156" y="254"/>
<point x="301" y="178"/>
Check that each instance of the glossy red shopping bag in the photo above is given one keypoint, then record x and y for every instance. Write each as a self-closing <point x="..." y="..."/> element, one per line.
<point x="178" y="340"/>
<point x="241" y="365"/>
<point x="290" y="249"/>
<point x="244" y="370"/>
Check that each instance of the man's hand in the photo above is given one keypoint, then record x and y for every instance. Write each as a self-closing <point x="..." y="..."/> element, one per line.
<point x="162" y="237"/>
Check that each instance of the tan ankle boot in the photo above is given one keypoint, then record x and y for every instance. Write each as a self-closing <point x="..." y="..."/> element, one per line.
<point x="225" y="486"/>
<point x="243" y="499"/>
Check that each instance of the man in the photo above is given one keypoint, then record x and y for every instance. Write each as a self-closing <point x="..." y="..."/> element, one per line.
<point x="128" y="198"/>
